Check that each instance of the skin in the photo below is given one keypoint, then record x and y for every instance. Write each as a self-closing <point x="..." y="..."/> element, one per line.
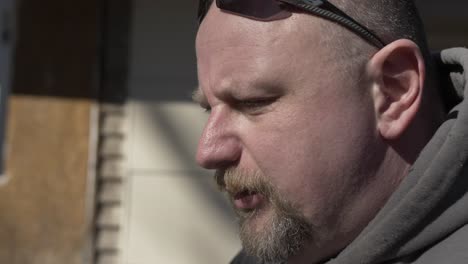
<point x="332" y="141"/>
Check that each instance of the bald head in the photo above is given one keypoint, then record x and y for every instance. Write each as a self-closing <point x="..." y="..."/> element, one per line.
<point x="389" y="20"/>
<point x="297" y="37"/>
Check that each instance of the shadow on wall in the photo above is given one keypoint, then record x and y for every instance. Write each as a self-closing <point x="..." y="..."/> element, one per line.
<point x="162" y="77"/>
<point x="164" y="126"/>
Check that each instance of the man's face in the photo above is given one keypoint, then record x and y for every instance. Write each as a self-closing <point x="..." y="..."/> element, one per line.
<point x="295" y="133"/>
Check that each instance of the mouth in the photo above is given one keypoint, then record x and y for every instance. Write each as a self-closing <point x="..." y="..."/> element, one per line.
<point x="247" y="200"/>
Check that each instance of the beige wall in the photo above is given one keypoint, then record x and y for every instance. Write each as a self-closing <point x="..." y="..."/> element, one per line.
<point x="172" y="213"/>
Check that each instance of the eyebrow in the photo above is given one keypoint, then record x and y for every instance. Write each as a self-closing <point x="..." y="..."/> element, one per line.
<point x="199" y="97"/>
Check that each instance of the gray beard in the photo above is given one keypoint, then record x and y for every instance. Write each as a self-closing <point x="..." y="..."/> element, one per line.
<point x="284" y="235"/>
<point x="285" y="232"/>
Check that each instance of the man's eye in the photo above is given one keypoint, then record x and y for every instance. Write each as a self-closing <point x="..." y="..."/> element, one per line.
<point x="254" y="105"/>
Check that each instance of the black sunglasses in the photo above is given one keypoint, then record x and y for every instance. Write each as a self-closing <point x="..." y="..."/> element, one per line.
<point x="267" y="10"/>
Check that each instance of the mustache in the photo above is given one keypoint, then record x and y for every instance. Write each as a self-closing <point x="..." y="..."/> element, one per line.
<point x="235" y="180"/>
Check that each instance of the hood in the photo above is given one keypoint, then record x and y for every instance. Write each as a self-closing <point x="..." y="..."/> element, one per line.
<point x="432" y="200"/>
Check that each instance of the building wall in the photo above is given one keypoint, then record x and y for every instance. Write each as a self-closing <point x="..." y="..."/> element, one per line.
<point x="172" y="212"/>
<point x="44" y="217"/>
<point x="46" y="199"/>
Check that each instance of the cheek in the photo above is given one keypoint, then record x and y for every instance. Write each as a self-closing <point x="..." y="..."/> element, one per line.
<point x="312" y="158"/>
<point x="293" y="156"/>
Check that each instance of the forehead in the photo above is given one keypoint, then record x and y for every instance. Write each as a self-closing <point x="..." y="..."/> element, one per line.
<point x="245" y="49"/>
<point x="231" y="30"/>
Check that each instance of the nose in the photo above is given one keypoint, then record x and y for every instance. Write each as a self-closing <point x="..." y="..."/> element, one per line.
<point x="219" y="147"/>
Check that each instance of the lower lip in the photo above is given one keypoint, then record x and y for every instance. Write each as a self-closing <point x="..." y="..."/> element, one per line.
<point x="247" y="201"/>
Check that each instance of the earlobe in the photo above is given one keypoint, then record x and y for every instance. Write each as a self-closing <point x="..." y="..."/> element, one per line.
<point x="397" y="74"/>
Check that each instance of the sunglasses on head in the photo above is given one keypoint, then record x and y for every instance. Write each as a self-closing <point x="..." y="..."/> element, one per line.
<point x="268" y="10"/>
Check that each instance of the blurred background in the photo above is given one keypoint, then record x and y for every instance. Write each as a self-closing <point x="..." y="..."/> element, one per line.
<point x="98" y="133"/>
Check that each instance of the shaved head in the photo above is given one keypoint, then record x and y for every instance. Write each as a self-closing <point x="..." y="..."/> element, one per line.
<point x="389" y="19"/>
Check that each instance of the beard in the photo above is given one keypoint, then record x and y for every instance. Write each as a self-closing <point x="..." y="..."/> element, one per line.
<point x="284" y="231"/>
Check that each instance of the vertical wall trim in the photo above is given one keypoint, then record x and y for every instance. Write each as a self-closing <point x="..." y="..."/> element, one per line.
<point x="111" y="136"/>
<point x="88" y="254"/>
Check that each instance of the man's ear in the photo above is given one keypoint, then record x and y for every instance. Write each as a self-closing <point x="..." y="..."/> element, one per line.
<point x="397" y="74"/>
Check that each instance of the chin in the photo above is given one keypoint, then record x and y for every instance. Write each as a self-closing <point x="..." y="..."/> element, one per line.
<point x="274" y="235"/>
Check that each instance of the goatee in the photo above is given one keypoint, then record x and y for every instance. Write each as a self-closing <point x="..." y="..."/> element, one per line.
<point x="284" y="230"/>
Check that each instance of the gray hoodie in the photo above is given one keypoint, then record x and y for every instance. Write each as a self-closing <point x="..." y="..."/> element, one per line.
<point x="426" y="218"/>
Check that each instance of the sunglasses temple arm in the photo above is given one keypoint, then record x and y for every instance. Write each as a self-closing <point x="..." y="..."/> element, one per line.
<point x="354" y="25"/>
<point x="328" y="11"/>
